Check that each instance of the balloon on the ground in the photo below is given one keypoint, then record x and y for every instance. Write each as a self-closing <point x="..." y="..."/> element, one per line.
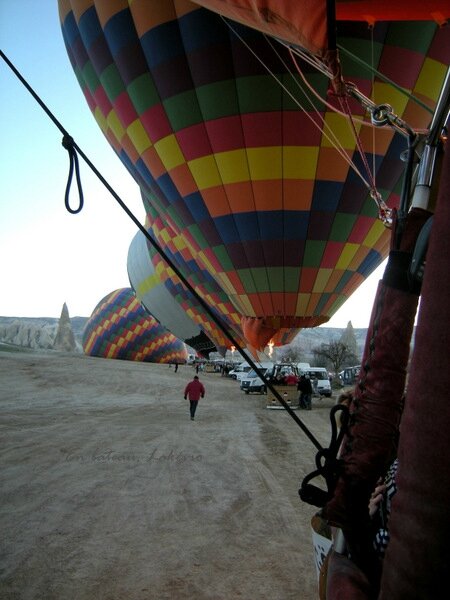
<point x="157" y="299"/>
<point x="120" y="327"/>
<point x="249" y="177"/>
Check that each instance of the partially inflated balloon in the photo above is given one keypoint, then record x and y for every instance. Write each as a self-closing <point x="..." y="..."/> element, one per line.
<point x="157" y="299"/>
<point x="119" y="327"/>
<point x="248" y="178"/>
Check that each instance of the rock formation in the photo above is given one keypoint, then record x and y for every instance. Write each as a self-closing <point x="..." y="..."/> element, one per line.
<point x="65" y="340"/>
<point x="28" y="335"/>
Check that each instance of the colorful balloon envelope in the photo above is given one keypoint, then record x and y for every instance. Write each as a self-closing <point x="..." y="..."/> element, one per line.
<point x="205" y="286"/>
<point x="157" y="299"/>
<point x="308" y="23"/>
<point x="234" y="157"/>
<point x="120" y="327"/>
<point x="183" y="256"/>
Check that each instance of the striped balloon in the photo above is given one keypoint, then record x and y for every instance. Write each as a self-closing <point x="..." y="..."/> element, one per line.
<point x="181" y="254"/>
<point x="146" y="281"/>
<point x="120" y="327"/>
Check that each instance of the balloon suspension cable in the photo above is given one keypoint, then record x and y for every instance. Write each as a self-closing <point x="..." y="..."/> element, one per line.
<point x="384" y="212"/>
<point x="294" y="51"/>
<point x="375" y="72"/>
<point x="73" y="148"/>
<point x="380" y="114"/>
<point x="322" y="125"/>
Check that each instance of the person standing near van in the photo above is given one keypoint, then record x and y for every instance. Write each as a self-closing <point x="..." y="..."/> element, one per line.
<point x="305" y="388"/>
<point x="194" y="391"/>
<point x="315" y="385"/>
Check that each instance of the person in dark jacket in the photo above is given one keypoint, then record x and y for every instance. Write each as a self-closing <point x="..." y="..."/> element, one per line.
<point x="305" y="388"/>
<point x="194" y="390"/>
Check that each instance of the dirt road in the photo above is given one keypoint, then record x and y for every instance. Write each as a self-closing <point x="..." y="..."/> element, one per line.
<point x="110" y="492"/>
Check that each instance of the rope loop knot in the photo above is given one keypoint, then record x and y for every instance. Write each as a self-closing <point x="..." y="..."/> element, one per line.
<point x="69" y="144"/>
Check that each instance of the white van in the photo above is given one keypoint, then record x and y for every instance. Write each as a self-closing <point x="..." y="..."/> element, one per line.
<point x="239" y="371"/>
<point x="349" y="375"/>
<point x="319" y="379"/>
<point x="252" y="382"/>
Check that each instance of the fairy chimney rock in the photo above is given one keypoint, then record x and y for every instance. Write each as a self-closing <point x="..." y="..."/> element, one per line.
<point x="64" y="340"/>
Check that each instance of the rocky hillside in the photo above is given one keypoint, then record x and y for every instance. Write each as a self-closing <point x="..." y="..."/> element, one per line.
<point x="308" y="339"/>
<point x="41" y="333"/>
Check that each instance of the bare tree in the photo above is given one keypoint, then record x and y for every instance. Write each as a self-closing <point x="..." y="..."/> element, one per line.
<point x="291" y="354"/>
<point x="335" y="354"/>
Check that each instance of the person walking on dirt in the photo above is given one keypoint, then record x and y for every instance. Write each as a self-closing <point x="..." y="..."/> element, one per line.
<point x="194" y="390"/>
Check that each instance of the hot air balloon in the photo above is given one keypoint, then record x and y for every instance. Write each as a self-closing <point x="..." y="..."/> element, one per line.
<point x="211" y="122"/>
<point x="157" y="299"/>
<point x="120" y="327"/>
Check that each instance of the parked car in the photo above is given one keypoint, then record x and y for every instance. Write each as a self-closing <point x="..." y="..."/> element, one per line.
<point x="252" y="381"/>
<point x="239" y="371"/>
<point x="320" y="379"/>
<point x="349" y="375"/>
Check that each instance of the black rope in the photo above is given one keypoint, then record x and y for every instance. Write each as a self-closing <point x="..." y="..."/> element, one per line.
<point x="327" y="462"/>
<point x="68" y="144"/>
<point x="67" y="140"/>
<point x="74" y="148"/>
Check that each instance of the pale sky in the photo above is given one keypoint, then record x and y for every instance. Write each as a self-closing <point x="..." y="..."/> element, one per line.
<point x="48" y="256"/>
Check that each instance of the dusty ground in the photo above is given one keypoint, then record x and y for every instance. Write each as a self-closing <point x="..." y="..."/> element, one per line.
<point x="110" y="492"/>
